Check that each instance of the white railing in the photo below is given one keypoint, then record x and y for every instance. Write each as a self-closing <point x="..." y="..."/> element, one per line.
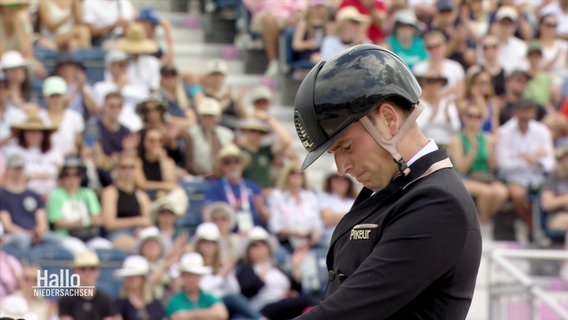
<point x="523" y="283"/>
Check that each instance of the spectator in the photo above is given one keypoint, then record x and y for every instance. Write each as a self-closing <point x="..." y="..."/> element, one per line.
<point x="39" y="307"/>
<point x="107" y="19"/>
<point x="268" y="288"/>
<point x="310" y="31"/>
<point x="515" y="86"/>
<point x="405" y="40"/>
<point x="223" y="216"/>
<point x="350" y="28"/>
<point x="489" y="47"/>
<point x="69" y="123"/>
<point x="214" y="86"/>
<point x="269" y="18"/>
<point x="261" y="156"/>
<point x="181" y="114"/>
<point x="126" y="208"/>
<point x="473" y="153"/>
<point x="525" y="22"/>
<point x="479" y="92"/>
<point x="80" y="94"/>
<point x="375" y="10"/>
<point x="9" y="114"/>
<point x="42" y="161"/>
<point x="74" y="211"/>
<point x="151" y="21"/>
<point x="244" y="196"/>
<point x="16" y="307"/>
<point x="335" y="201"/>
<point x="512" y="50"/>
<point x="99" y="307"/>
<point x="554" y="49"/>
<point x="554" y="195"/>
<point x="436" y="44"/>
<point x="540" y="87"/>
<point x="558" y="10"/>
<point x="176" y="141"/>
<point x="112" y="137"/>
<point x="440" y="118"/>
<point x="192" y="301"/>
<point x="165" y="213"/>
<point x="116" y="62"/>
<point x="22" y="211"/>
<point x="60" y="22"/>
<point x="155" y="172"/>
<point x="143" y="68"/>
<point x="136" y="301"/>
<point x="16" y="28"/>
<point x="524" y="155"/>
<point x="476" y="19"/>
<point x="19" y="80"/>
<point x="221" y="282"/>
<point x="207" y="137"/>
<point x="13" y="270"/>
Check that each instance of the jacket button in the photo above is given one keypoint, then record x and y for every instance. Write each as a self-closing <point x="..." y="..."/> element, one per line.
<point x="341" y="277"/>
<point x="331" y="275"/>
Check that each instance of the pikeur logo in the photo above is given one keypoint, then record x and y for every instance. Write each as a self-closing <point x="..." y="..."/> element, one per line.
<point x="61" y="284"/>
<point x="357" y="234"/>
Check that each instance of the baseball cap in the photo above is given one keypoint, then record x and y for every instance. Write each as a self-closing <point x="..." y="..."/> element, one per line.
<point x="350" y="13"/>
<point x="534" y="46"/>
<point x="207" y="231"/>
<point x="217" y="66"/>
<point x="519" y="71"/>
<point x="115" y="55"/>
<point x="506" y="12"/>
<point x="86" y="258"/>
<point x="54" y="85"/>
<point x="149" y="14"/>
<point x="261" y="92"/>
<point x="406" y="16"/>
<point x="16" y="160"/>
<point x="443" y="5"/>
<point x="209" y="106"/>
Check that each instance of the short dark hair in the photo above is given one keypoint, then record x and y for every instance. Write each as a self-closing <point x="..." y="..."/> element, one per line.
<point x="113" y="94"/>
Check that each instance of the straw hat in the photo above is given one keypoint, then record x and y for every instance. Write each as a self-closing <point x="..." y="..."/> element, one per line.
<point x="86" y="258"/>
<point x="231" y="150"/>
<point x="254" y="124"/>
<point x="33" y="122"/>
<point x="209" y="107"/>
<point x="193" y="263"/>
<point x="136" y="41"/>
<point x="133" y="266"/>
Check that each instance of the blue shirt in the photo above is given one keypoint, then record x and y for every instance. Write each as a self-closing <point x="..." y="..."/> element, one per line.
<point x="22" y="207"/>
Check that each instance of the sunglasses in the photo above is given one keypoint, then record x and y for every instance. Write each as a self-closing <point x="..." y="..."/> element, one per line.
<point x="489" y="46"/>
<point x="148" y="110"/>
<point x="220" y="219"/>
<point x="127" y="167"/>
<point x="71" y="175"/>
<point x="231" y="161"/>
<point x="169" y="75"/>
<point x="87" y="268"/>
<point x="433" y="46"/>
<point x="256" y="244"/>
<point x="550" y="24"/>
<point x="471" y="115"/>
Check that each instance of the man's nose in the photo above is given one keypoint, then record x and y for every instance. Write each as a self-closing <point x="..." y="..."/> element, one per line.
<point x="343" y="164"/>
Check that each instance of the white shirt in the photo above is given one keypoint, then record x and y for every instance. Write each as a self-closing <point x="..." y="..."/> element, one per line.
<point x="145" y="70"/>
<point x="558" y="53"/>
<point x="440" y="123"/>
<point x="71" y="124"/>
<point x="562" y="18"/>
<point x="332" y="45"/>
<point x="202" y="146"/>
<point x="38" y="162"/>
<point x="220" y="286"/>
<point x="276" y="287"/>
<point x="452" y="70"/>
<point x="336" y="204"/>
<point x="131" y="94"/>
<point x="513" y="54"/>
<point x="12" y="116"/>
<point x="102" y="13"/>
<point x="511" y="144"/>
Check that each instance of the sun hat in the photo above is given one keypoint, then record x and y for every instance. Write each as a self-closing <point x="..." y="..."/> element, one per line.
<point x="207" y="231"/>
<point x="216" y="66"/>
<point x="507" y="12"/>
<point x="86" y="258"/>
<point x="153" y="97"/>
<point x="135" y="41"/>
<point x="209" y="107"/>
<point x="12" y="59"/>
<point x="258" y="233"/>
<point x="33" y="122"/>
<point x="261" y="92"/>
<point x="232" y="150"/>
<point x="406" y="16"/>
<point x="193" y="263"/>
<point x="254" y="124"/>
<point x="54" y="85"/>
<point x="16" y="307"/>
<point x="219" y="208"/>
<point x="350" y="13"/>
<point x="115" y="55"/>
<point x="133" y="266"/>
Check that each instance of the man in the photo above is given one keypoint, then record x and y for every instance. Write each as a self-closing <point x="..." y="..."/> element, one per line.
<point x="524" y="154"/>
<point x="107" y="19"/>
<point x="516" y="83"/>
<point x="192" y="302"/>
<point x="410" y="246"/>
<point x="100" y="306"/>
<point x="512" y="50"/>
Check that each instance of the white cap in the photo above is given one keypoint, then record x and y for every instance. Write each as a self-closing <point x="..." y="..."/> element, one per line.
<point x="193" y="263"/>
<point x="54" y="85"/>
<point x="207" y="231"/>
<point x="133" y="266"/>
<point x="115" y="55"/>
<point x="149" y="232"/>
<point x="12" y="59"/>
<point x="261" y="92"/>
<point x="209" y="106"/>
<point x="406" y="16"/>
<point x="217" y="66"/>
<point x="507" y="12"/>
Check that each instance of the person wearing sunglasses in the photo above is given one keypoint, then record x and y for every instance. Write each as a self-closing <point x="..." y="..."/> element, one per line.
<point x="479" y="91"/>
<point x="512" y="50"/>
<point x="554" y="49"/>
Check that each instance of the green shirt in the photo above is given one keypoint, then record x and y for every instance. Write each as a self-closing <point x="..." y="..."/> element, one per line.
<point x="411" y="55"/>
<point x="260" y="166"/>
<point x="72" y="207"/>
<point x="180" y="301"/>
<point x="538" y="89"/>
<point x="481" y="160"/>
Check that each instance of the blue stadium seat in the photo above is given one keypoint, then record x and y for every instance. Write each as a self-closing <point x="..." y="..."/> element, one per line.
<point x="94" y="61"/>
<point x="540" y="223"/>
<point x="111" y="260"/>
<point x="196" y="194"/>
<point x="293" y="59"/>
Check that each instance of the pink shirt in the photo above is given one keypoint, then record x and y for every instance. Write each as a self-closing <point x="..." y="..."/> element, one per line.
<point x="11" y="271"/>
<point x="280" y="8"/>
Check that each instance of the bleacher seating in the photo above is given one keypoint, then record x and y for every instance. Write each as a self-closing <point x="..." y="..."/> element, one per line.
<point x="289" y="56"/>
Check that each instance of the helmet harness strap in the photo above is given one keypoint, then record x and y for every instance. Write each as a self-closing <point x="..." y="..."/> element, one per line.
<point x="390" y="145"/>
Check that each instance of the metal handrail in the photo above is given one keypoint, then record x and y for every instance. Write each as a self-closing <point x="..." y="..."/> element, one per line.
<point x="500" y="256"/>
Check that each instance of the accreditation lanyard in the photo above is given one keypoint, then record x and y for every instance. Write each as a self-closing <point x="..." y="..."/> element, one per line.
<point x="245" y="203"/>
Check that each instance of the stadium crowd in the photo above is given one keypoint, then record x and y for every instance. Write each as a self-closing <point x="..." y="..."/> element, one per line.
<point x="199" y="193"/>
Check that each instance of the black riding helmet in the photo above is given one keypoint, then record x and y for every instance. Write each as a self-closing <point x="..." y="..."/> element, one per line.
<point x="340" y="91"/>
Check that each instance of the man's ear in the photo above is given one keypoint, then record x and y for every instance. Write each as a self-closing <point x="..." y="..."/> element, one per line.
<point x="387" y="119"/>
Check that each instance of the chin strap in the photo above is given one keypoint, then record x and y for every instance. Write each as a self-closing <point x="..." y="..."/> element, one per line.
<point x="390" y="145"/>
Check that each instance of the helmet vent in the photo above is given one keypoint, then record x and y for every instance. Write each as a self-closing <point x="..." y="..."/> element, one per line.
<point x="303" y="133"/>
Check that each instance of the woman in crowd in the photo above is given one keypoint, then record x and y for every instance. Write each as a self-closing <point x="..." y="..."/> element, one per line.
<point x="223" y="216"/>
<point x="42" y="161"/>
<point x="178" y="104"/>
<point x="489" y="47"/>
<point x="473" y="153"/>
<point x="136" y="301"/>
<point x="155" y="170"/>
<point x="336" y="200"/>
<point x="310" y="31"/>
<point x="222" y="281"/>
<point x="125" y="207"/>
<point x="60" y="23"/>
<point x="350" y="30"/>
<point x="38" y="305"/>
<point x="554" y="49"/>
<point x="19" y="80"/>
<point x="479" y="91"/>
<point x="405" y="40"/>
